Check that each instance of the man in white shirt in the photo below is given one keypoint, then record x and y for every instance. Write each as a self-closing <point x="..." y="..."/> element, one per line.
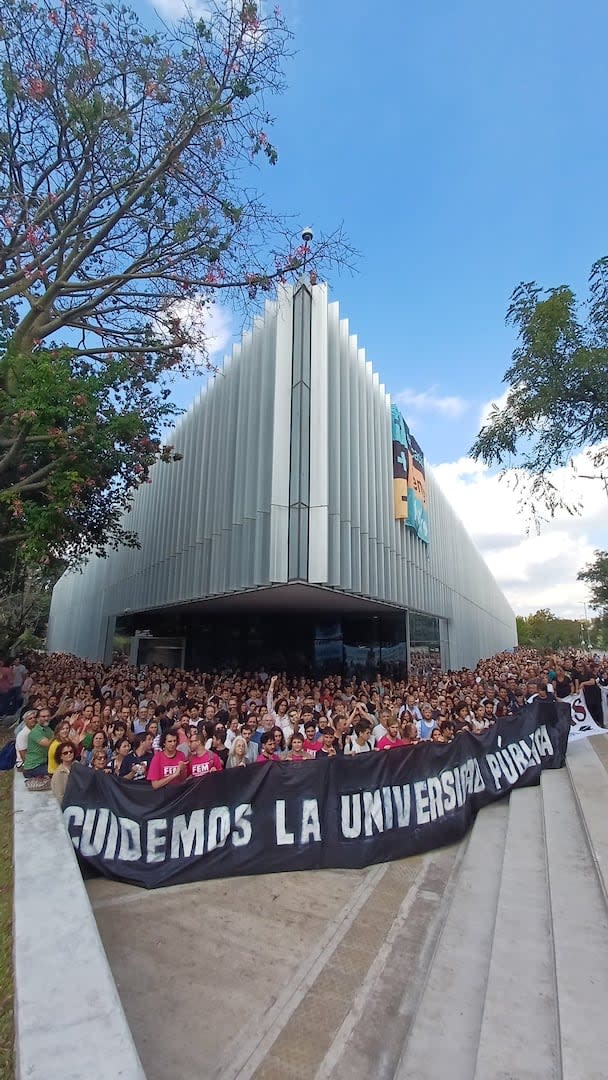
<point x="23" y="734"/>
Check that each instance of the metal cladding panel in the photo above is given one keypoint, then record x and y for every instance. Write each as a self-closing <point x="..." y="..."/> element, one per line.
<point x="318" y="569"/>
<point x="370" y="553"/>
<point x="287" y="474"/>
<point x="203" y="522"/>
<point x="279" y="502"/>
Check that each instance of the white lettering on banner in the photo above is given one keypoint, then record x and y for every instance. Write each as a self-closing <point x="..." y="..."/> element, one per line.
<point x="130" y="841"/>
<point x="582" y="724"/>
<point x="94" y="832"/>
<point x="243" y="831"/>
<point x="283" y="837"/>
<point x="188" y="836"/>
<point x="101" y="832"/>
<point x="421" y="798"/>
<point x="219" y="827"/>
<point x="156" y="840"/>
<point x="373" y="812"/>
<point x="304" y="820"/>
<point x="382" y="809"/>
<point x="311" y="827"/>
<point x="378" y="810"/>
<point x="350" y="818"/>
<point x="514" y="759"/>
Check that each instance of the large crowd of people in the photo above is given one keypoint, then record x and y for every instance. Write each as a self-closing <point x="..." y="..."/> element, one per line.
<point x="161" y="726"/>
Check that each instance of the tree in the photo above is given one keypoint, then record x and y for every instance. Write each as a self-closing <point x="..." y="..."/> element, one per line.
<point x="596" y="576"/>
<point x="557" y="402"/>
<point x="25" y="595"/>
<point x="545" y="631"/>
<point x="124" y="211"/>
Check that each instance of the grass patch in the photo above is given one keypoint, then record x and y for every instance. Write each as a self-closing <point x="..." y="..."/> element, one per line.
<point x="7" y="1033"/>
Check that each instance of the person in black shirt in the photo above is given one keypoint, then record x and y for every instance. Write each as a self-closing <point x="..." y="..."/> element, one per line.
<point x="135" y="765"/>
<point x="592" y="694"/>
<point x="562" y="683"/>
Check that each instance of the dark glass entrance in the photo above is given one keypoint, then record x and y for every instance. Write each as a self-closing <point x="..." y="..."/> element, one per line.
<point x="291" y="642"/>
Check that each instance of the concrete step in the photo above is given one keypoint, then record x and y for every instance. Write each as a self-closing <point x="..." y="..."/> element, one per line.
<point x="445" y="1033"/>
<point x="590" y="782"/>
<point x="521" y="980"/>
<point x="580" y="932"/>
<point x="370" y="1040"/>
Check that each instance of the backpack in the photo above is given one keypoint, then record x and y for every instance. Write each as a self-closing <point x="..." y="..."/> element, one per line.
<point x="8" y="756"/>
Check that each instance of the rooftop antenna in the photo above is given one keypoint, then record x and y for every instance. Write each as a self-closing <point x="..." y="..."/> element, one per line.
<point x="307" y="235"/>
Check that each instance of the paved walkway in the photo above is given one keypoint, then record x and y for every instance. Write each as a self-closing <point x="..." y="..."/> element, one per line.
<point x="487" y="960"/>
<point x="268" y="977"/>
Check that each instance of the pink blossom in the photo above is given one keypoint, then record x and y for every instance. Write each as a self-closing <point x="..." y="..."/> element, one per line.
<point x="36" y="89"/>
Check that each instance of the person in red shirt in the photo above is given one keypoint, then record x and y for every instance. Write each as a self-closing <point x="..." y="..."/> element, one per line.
<point x="311" y="742"/>
<point x="267" y="746"/>
<point x="168" y="766"/>
<point x="392" y="738"/>
<point x="410" y="734"/>
<point x="201" y="761"/>
<point x="296" y="750"/>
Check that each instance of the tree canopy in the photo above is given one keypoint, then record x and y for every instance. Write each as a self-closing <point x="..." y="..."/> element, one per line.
<point x="595" y="574"/>
<point x="557" y="400"/>
<point x="545" y="631"/>
<point x="124" y="211"/>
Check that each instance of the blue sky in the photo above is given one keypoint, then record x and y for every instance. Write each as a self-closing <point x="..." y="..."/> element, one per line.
<point x="463" y="147"/>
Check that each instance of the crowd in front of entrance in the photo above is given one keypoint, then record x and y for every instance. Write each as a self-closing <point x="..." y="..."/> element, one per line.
<point x="162" y="726"/>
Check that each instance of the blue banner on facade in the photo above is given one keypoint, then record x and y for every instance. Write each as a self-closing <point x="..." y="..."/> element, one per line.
<point x="409" y="478"/>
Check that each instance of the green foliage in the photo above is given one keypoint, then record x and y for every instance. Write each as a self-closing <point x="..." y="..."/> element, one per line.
<point x="25" y="598"/>
<point x="124" y="209"/>
<point x="545" y="631"/>
<point x="557" y="402"/>
<point x="596" y="576"/>
<point x="76" y="439"/>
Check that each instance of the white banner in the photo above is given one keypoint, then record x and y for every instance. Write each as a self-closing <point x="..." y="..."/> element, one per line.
<point x="583" y="724"/>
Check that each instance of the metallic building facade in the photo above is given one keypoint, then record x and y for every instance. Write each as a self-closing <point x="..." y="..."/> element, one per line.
<point x="283" y="503"/>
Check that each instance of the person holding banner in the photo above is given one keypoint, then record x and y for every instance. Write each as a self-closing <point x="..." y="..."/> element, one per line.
<point x="168" y="766"/>
<point x="238" y="756"/>
<point x="592" y="693"/>
<point x="202" y="761"/>
<point x="267" y="748"/>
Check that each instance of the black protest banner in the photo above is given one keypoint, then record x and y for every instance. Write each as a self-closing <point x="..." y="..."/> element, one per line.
<point x="341" y="812"/>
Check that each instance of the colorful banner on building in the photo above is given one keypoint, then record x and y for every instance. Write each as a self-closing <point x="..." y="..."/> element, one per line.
<point x="409" y="479"/>
<point x="304" y="815"/>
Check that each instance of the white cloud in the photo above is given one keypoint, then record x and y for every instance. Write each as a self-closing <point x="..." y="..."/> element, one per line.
<point x="176" y="9"/>
<point x="496" y="403"/>
<point x="216" y="326"/>
<point x="431" y="401"/>
<point x="535" y="569"/>
<point x="207" y="325"/>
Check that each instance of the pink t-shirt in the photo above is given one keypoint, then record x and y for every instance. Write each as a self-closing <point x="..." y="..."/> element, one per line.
<point x="386" y="743"/>
<point x="312" y="745"/>
<point x="202" y="764"/>
<point x="261" y="758"/>
<point x="162" y="766"/>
